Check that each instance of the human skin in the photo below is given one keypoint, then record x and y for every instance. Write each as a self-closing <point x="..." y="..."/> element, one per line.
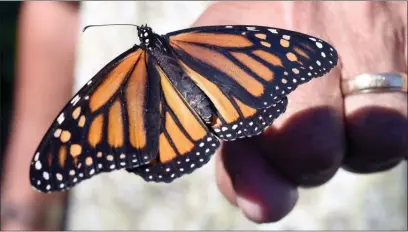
<point x="322" y="130"/>
<point x="43" y="84"/>
<point x="306" y="145"/>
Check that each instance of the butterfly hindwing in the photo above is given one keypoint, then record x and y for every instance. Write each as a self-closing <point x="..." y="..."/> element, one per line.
<point x="252" y="122"/>
<point x="108" y="125"/>
<point x="243" y="69"/>
<point x="185" y="142"/>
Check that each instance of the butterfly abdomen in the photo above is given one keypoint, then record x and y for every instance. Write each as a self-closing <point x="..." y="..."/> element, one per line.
<point x="196" y="98"/>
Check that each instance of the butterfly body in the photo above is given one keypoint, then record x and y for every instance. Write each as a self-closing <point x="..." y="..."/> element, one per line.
<point x="159" y="110"/>
<point x="158" y="47"/>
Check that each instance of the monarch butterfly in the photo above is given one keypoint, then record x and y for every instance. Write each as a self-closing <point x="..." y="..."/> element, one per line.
<point x="158" y="110"/>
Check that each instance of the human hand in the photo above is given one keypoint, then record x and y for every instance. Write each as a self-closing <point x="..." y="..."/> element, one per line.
<point x="321" y="130"/>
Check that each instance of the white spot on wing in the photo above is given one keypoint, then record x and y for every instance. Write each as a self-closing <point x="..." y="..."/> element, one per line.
<point x="37" y="155"/>
<point x="46" y="175"/>
<point x="319" y="45"/>
<point x="61" y="118"/>
<point x="75" y="100"/>
<point x="274" y="31"/>
<point x="59" y="176"/>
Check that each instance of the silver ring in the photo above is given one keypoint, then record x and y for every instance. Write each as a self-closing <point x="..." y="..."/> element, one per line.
<point x="375" y="82"/>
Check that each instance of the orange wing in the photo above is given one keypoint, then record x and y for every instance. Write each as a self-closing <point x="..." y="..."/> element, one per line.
<point x="110" y="124"/>
<point x="185" y="143"/>
<point x="246" y="70"/>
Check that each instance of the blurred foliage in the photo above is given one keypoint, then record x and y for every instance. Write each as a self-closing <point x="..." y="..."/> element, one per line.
<point x="8" y="28"/>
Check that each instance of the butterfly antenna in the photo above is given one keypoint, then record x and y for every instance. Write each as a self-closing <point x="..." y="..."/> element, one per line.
<point x="102" y="25"/>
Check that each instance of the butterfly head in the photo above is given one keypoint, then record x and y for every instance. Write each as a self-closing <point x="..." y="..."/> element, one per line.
<point x="146" y="35"/>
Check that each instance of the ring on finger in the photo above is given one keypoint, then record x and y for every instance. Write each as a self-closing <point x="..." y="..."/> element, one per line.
<point x="375" y="82"/>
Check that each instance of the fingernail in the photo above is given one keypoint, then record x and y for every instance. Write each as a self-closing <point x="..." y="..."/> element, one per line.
<point x="252" y="210"/>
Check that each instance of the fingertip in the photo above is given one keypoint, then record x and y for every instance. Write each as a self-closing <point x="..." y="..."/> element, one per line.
<point x="251" y="210"/>
<point x="308" y="148"/>
<point x="224" y="181"/>
<point x="266" y="212"/>
<point x="261" y="193"/>
<point x="377" y="138"/>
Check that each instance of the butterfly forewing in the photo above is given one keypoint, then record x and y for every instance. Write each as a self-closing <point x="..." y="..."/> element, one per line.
<point x="104" y="127"/>
<point x="244" y="69"/>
